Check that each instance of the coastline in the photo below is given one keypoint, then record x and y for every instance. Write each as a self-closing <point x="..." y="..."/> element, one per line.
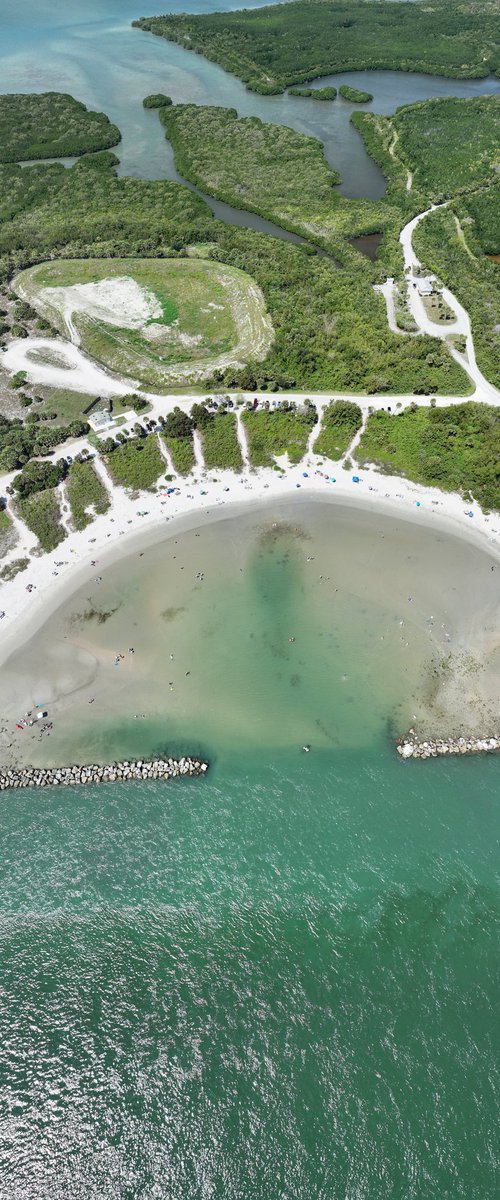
<point x="121" y="530"/>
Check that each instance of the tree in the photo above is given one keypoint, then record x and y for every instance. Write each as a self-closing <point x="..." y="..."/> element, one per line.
<point x="37" y="476"/>
<point x="200" y="416"/>
<point x="178" y="424"/>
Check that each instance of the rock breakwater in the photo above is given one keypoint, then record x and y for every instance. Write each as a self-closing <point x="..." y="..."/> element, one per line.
<point x="411" y="746"/>
<point x="157" y="768"/>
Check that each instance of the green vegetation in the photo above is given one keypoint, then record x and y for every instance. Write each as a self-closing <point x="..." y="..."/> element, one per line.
<point x="69" y="406"/>
<point x="475" y="282"/>
<point x="87" y="212"/>
<point x="341" y="421"/>
<point x="355" y="95"/>
<point x="51" y="125"/>
<point x="330" y="328"/>
<point x="13" y="568"/>
<point x="324" y="93"/>
<point x="270" y="48"/>
<point x="37" y="476"/>
<point x="178" y="437"/>
<point x="450" y="144"/>
<point x="278" y="431"/>
<point x="200" y="312"/>
<point x="483" y="210"/>
<point x="456" y="448"/>
<point x="136" y="464"/>
<point x="267" y="169"/>
<point x="181" y="452"/>
<point x="42" y="514"/>
<point x="19" y="442"/>
<point x="221" y="448"/>
<point x="85" y="491"/>
<point x="157" y="100"/>
<point x="8" y="535"/>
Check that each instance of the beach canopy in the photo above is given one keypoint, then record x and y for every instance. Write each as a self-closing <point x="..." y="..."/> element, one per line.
<point x="355" y="479"/>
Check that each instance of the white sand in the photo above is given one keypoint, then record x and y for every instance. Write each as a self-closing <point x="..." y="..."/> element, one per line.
<point x="116" y="533"/>
<point x="121" y="302"/>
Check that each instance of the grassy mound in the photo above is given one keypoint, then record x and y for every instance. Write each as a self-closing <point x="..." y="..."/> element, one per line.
<point x="177" y="318"/>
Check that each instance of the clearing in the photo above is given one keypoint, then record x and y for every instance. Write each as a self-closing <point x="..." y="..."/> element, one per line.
<point x="162" y="322"/>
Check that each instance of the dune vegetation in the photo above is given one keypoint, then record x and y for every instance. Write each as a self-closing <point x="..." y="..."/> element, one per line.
<point x="86" y="494"/>
<point x="221" y="448"/>
<point x="278" y="431"/>
<point x="341" y="421"/>
<point x="455" y="448"/>
<point x="137" y="464"/>
<point x="42" y="514"/>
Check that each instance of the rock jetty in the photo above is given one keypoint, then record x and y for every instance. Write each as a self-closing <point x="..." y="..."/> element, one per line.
<point x="411" y="746"/>
<point x="156" y="768"/>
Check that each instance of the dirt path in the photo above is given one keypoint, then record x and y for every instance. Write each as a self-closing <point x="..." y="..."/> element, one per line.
<point x="242" y="440"/>
<point x="392" y="152"/>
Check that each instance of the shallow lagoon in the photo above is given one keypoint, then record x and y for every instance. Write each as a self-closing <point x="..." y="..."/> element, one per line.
<point x="101" y="60"/>
<point x="300" y="622"/>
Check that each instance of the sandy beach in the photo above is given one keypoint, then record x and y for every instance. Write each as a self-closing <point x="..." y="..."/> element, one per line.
<point x="141" y="521"/>
<point x="78" y="672"/>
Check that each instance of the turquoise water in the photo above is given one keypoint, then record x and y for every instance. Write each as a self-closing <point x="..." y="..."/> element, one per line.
<point x="281" y="982"/>
<point x="92" y="52"/>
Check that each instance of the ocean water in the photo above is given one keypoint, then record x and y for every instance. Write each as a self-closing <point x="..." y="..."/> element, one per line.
<point x="280" y="982"/>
